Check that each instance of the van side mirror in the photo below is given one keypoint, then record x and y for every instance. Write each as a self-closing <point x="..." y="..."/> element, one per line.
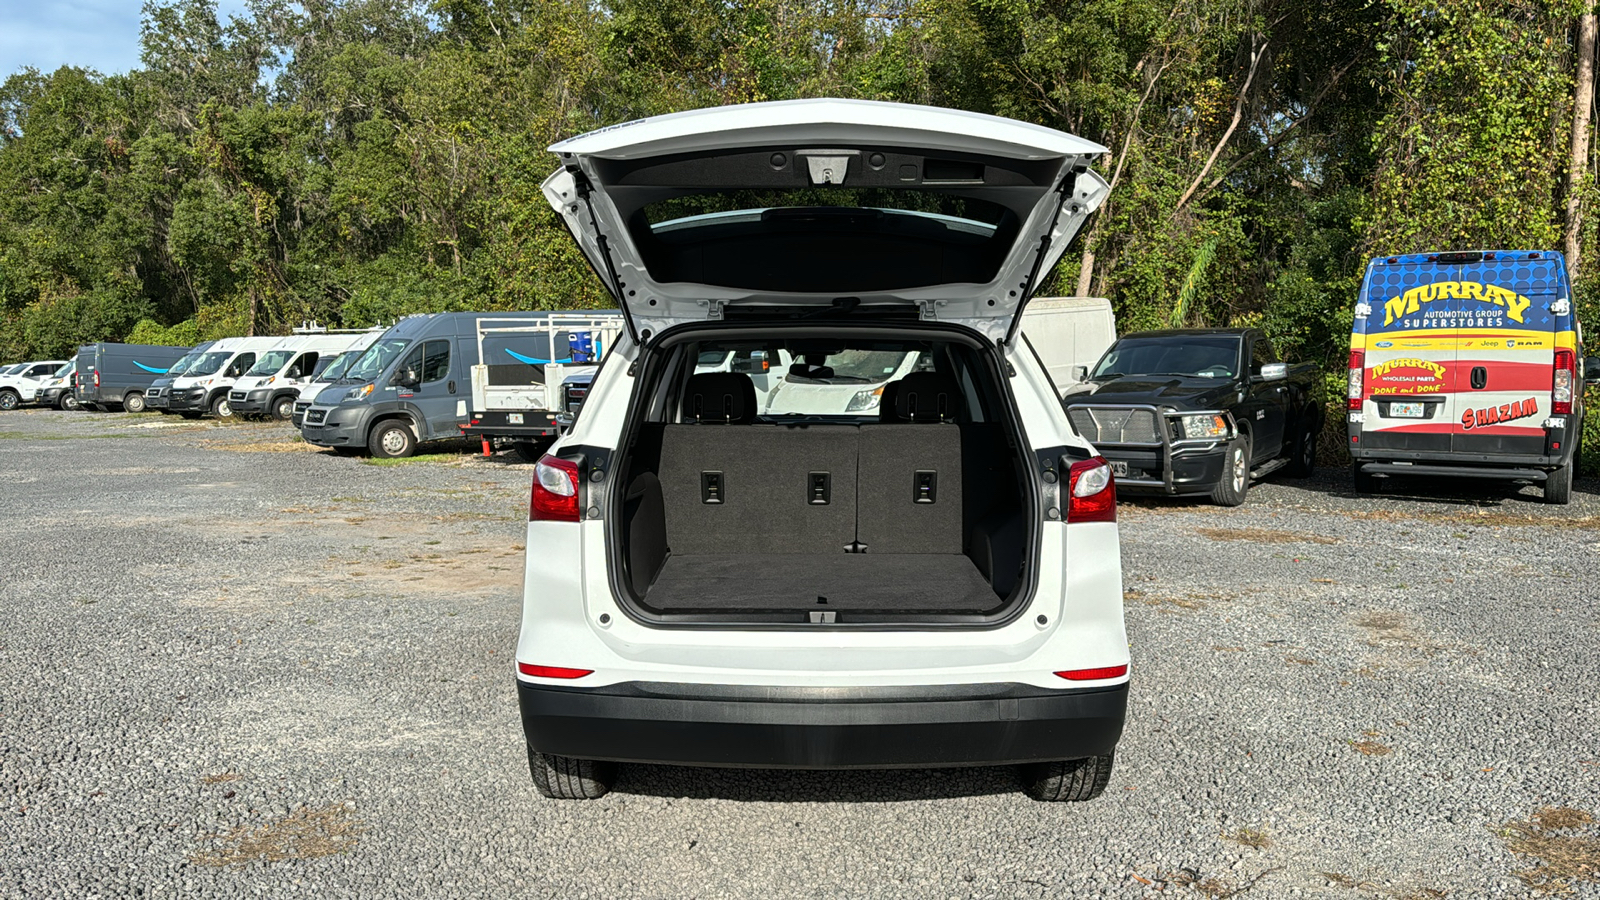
<point x="1080" y="374"/>
<point x="1591" y="369"/>
<point x="1273" y="372"/>
<point x="407" y="378"/>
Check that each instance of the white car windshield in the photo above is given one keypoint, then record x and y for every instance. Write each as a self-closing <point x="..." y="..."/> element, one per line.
<point x="210" y="363"/>
<point x="182" y="365"/>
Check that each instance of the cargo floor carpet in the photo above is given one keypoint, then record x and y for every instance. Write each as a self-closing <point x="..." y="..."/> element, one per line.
<point x="900" y="582"/>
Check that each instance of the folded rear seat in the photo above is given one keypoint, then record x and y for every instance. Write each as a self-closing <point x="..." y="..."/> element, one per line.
<point x="733" y="487"/>
<point x="910" y="469"/>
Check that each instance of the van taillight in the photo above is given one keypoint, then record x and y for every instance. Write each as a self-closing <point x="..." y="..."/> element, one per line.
<point x="1565" y="377"/>
<point x="1091" y="492"/>
<point x="97" y="379"/>
<point x="1358" y="366"/>
<point x="555" y="491"/>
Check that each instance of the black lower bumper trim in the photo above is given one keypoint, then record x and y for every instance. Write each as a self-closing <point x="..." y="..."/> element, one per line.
<point x="822" y="728"/>
<point x="1507" y="473"/>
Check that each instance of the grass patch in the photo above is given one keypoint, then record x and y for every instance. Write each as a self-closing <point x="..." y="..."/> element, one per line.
<point x="303" y="834"/>
<point x="408" y="460"/>
<point x="1562" y="859"/>
<point x="1254" y="838"/>
<point x="1265" y="536"/>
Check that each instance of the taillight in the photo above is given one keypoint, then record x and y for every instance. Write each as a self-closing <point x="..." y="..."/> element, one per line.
<point x="555" y="491"/>
<point x="1561" y="389"/>
<point x="1092" y="492"/>
<point x="1094" y="674"/>
<point x="96" y="379"/>
<point x="552" y="671"/>
<point x="1358" y="367"/>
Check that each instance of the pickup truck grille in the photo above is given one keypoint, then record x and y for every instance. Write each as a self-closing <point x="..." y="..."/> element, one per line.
<point x="1115" y="425"/>
<point x="315" y="416"/>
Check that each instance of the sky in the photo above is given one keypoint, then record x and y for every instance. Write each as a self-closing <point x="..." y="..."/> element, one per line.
<point x="96" y="34"/>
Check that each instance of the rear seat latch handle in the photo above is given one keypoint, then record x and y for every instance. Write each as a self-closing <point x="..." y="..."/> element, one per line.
<point x="711" y="487"/>
<point x="818" y="489"/>
<point x="925" y="486"/>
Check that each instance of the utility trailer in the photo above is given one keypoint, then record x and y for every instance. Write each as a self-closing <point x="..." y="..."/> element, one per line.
<point x="518" y="394"/>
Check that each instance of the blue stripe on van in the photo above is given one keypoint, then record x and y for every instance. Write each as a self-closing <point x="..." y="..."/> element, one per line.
<point x="149" y="369"/>
<point x="538" y="362"/>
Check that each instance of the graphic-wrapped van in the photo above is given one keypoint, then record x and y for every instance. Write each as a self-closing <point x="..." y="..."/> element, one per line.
<point x="1467" y="364"/>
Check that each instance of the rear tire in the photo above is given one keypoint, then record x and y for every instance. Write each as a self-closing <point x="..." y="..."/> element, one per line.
<point x="133" y="403"/>
<point x="283" y="409"/>
<point x="9" y="400"/>
<point x="1304" y="461"/>
<point x="221" y="408"/>
<point x="531" y="451"/>
<point x="1070" y="780"/>
<point x="1363" y="482"/>
<point x="565" y="778"/>
<point x="1558" y="485"/>
<point x="1235" y="483"/>
<point x="69" y="402"/>
<point x="392" y="440"/>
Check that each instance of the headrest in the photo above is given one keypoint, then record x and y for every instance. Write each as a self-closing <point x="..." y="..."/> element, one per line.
<point x="886" y="402"/>
<point x="927" y="397"/>
<point x="716" y="398"/>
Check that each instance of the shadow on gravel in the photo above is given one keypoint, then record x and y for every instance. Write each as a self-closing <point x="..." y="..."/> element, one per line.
<point x="812" y="786"/>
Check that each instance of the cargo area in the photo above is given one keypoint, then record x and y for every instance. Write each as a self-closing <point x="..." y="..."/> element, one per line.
<point x="737" y="511"/>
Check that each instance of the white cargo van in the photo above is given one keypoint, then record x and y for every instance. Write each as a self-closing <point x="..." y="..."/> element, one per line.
<point x="1070" y="334"/>
<point x="273" y="384"/>
<point x="203" y="388"/>
<point x="934" y="582"/>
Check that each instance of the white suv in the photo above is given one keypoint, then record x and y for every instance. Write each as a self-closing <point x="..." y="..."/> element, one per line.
<point x="931" y="582"/>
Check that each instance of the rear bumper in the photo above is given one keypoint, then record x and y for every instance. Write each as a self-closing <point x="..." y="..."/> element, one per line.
<point x="824" y="728"/>
<point x="531" y="423"/>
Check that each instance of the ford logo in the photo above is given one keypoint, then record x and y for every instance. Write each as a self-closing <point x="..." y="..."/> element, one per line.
<point x="1384" y="344"/>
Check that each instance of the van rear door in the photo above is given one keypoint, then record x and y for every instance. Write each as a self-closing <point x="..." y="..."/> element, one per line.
<point x="1505" y="359"/>
<point x="1409" y="343"/>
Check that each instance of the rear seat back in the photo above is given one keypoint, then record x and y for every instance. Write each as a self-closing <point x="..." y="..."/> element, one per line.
<point x="762" y="477"/>
<point x="910" y="469"/>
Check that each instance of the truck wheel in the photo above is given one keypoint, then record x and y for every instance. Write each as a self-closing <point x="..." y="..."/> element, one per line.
<point x="1363" y="482"/>
<point x="1235" y="483"/>
<point x="69" y="402"/>
<point x="1304" y="461"/>
<point x="220" y="408"/>
<point x="392" y="440"/>
<point x="531" y="451"/>
<point x="133" y="403"/>
<point x="1070" y="780"/>
<point x="1558" y="485"/>
<point x="565" y="778"/>
<point x="9" y="400"/>
<point x="283" y="408"/>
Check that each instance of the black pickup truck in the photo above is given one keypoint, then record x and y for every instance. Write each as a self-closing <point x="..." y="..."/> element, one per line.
<point x="1197" y="412"/>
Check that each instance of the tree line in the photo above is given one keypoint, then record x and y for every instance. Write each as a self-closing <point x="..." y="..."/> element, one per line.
<point x="351" y="161"/>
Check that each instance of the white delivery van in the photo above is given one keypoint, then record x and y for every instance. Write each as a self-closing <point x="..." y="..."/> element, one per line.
<point x="1070" y="334"/>
<point x="273" y="384"/>
<point x="934" y="582"/>
<point x="203" y="388"/>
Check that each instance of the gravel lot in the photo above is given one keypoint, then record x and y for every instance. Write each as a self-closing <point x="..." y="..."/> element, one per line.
<point x="234" y="666"/>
